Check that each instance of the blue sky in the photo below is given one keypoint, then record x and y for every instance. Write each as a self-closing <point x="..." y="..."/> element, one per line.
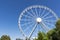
<point x="11" y="9"/>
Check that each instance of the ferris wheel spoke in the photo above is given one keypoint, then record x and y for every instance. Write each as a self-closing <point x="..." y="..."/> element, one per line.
<point x="36" y="12"/>
<point x="26" y="23"/>
<point x="25" y="19"/>
<point x="30" y="19"/>
<point x="46" y="14"/>
<point x="39" y="12"/>
<point x="21" y="30"/>
<point x="44" y="26"/>
<point x="28" y="27"/>
<point x="30" y="14"/>
<point x="33" y="13"/>
<point x="52" y="21"/>
<point x="43" y="13"/>
<point x="48" y="17"/>
<point x="33" y="30"/>
<point x="50" y="24"/>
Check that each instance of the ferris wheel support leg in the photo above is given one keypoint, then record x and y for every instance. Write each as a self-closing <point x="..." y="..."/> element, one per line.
<point x="32" y="31"/>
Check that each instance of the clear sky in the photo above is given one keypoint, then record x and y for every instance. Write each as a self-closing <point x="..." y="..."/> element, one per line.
<point x="11" y="9"/>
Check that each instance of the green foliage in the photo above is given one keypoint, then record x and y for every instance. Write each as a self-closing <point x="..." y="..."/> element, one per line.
<point x="54" y="35"/>
<point x="58" y="25"/>
<point x="0" y="38"/>
<point x="58" y="34"/>
<point x="45" y="38"/>
<point x="5" y="37"/>
<point x="41" y="36"/>
<point x="50" y="33"/>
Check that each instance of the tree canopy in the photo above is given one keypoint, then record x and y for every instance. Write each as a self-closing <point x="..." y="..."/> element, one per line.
<point x="58" y="25"/>
<point x="5" y="37"/>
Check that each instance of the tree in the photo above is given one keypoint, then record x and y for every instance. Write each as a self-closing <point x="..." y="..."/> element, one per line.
<point x="58" y="25"/>
<point x="0" y="38"/>
<point x="41" y="36"/>
<point x="58" y="29"/>
<point x="5" y="37"/>
<point x="50" y="33"/>
<point x="54" y="34"/>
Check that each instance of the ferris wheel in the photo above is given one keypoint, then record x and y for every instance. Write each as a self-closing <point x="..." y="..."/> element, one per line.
<point x="36" y="18"/>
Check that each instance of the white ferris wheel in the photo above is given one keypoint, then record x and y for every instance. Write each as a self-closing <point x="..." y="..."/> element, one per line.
<point x="36" y="18"/>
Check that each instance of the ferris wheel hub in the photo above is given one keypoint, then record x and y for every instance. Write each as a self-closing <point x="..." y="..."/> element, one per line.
<point x="38" y="20"/>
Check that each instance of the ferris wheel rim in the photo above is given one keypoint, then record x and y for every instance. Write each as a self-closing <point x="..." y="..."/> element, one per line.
<point x="40" y="6"/>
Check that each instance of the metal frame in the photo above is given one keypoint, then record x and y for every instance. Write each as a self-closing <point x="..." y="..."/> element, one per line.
<point x="34" y="6"/>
